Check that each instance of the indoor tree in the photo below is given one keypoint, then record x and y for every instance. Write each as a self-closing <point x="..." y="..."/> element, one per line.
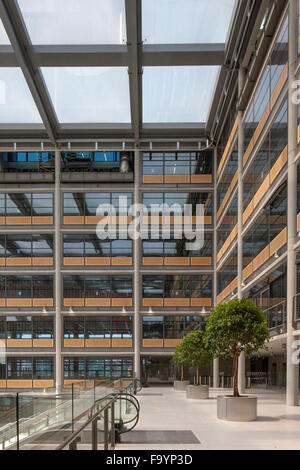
<point x="234" y="327"/>
<point x="179" y="359"/>
<point x="195" y="352"/>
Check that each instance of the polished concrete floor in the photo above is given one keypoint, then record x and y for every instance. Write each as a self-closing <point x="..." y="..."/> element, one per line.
<point x="163" y="410"/>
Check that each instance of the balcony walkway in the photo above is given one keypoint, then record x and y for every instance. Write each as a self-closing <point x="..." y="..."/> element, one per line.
<point x="163" y="410"/>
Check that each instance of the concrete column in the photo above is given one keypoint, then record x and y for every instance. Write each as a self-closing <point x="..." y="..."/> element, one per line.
<point x="216" y="363"/>
<point x="137" y="276"/>
<point x="241" y="82"/>
<point x="292" y="387"/>
<point x="58" y="277"/>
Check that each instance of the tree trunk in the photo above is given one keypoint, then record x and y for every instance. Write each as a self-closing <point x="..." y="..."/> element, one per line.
<point x="197" y="376"/>
<point x="236" y="375"/>
<point x="182" y="376"/>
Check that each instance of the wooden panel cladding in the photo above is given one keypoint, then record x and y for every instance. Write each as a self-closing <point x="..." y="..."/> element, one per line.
<point x="153" y="261"/>
<point x="175" y="220"/>
<point x="19" y="384"/>
<point x="204" y="302"/>
<point x="177" y="179"/>
<point x="94" y="220"/>
<point x="126" y="261"/>
<point x="19" y="302"/>
<point x="261" y="191"/>
<point x="153" y="343"/>
<point x="174" y="302"/>
<point x="43" y="384"/>
<point x="97" y="302"/>
<point x="261" y="258"/>
<point x="121" y="343"/>
<point x="42" y="220"/>
<point x="121" y="302"/>
<point x="43" y="343"/>
<point x="298" y="222"/>
<point x="2" y="220"/>
<point x="278" y="89"/>
<point x="229" y="142"/>
<point x="2" y="303"/>
<point x="97" y="261"/>
<point x="201" y="261"/>
<point x="227" y="243"/>
<point x="247" y="212"/>
<point x="2" y="383"/>
<point x="278" y="242"/>
<point x="201" y="179"/>
<point x="261" y="123"/>
<point x="172" y="343"/>
<point x="73" y="220"/>
<point x="248" y="151"/>
<point x="42" y="302"/>
<point x="74" y="302"/>
<point x="279" y="164"/>
<point x="42" y="261"/>
<point x="2" y="262"/>
<point x="298" y="136"/>
<point x="18" y="220"/>
<point x="153" y="302"/>
<point x="247" y="271"/>
<point x="153" y="179"/>
<point x="74" y="343"/>
<point x="177" y="261"/>
<point x="19" y="343"/>
<point x="18" y="262"/>
<point x="228" y="194"/>
<point x="97" y="343"/>
<point x="73" y="261"/>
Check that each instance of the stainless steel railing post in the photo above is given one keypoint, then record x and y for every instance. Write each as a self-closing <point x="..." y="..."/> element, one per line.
<point x="106" y="429"/>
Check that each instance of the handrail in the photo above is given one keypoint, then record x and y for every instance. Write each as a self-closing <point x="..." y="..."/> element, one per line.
<point x="297" y="307"/>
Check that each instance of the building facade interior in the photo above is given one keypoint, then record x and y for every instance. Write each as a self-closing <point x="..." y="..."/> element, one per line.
<point x="124" y="107"/>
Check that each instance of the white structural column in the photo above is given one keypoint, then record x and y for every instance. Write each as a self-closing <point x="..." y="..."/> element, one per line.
<point x="137" y="275"/>
<point x="241" y="82"/>
<point x="216" y="364"/>
<point x="58" y="278"/>
<point x="292" y="382"/>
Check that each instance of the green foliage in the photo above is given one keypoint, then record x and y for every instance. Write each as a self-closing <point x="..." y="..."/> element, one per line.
<point x="234" y="327"/>
<point x="179" y="357"/>
<point x="194" y="350"/>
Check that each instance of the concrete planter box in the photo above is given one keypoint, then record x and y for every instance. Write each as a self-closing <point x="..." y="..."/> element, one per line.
<point x="181" y="386"/>
<point x="241" y="409"/>
<point x="197" y="392"/>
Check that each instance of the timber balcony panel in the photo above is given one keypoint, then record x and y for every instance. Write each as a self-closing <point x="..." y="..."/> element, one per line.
<point x="263" y="256"/>
<point x="75" y="302"/>
<point x="279" y="164"/>
<point x="177" y="179"/>
<point x="172" y="343"/>
<point x="228" y="145"/>
<point x="204" y="302"/>
<point x="261" y="123"/>
<point x="247" y="212"/>
<point x="278" y="89"/>
<point x="201" y="261"/>
<point x="298" y="133"/>
<point x="278" y="242"/>
<point x="18" y="220"/>
<point x="73" y="220"/>
<point x="121" y="302"/>
<point x="126" y="261"/>
<point x="42" y="220"/>
<point x="19" y="343"/>
<point x="97" y="261"/>
<point x="261" y="191"/>
<point x="97" y="302"/>
<point x="19" y="302"/>
<point x="73" y="261"/>
<point x="2" y="383"/>
<point x="201" y="179"/>
<point x="153" y="179"/>
<point x="153" y="302"/>
<point x="42" y="262"/>
<point x="97" y="343"/>
<point x="43" y="384"/>
<point x="74" y="343"/>
<point x="121" y="343"/>
<point x="11" y="262"/>
<point x="298" y="222"/>
<point x="247" y="271"/>
<point x="19" y="384"/>
<point x="153" y="261"/>
<point x="153" y="343"/>
<point x="177" y="261"/>
<point x="2" y="303"/>
<point x="42" y="302"/>
<point x="2" y="220"/>
<point x="43" y="343"/>
<point x="248" y="151"/>
<point x="174" y="302"/>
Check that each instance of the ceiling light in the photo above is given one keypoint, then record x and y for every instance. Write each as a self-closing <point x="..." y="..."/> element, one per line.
<point x="178" y="145"/>
<point x="71" y="311"/>
<point x="42" y="146"/>
<point x="124" y="311"/>
<point x="151" y="146"/>
<point x="276" y="255"/>
<point x="150" y="311"/>
<point x="96" y="146"/>
<point x="69" y="145"/>
<point x="44" y="310"/>
<point x="15" y="146"/>
<point x="203" y="311"/>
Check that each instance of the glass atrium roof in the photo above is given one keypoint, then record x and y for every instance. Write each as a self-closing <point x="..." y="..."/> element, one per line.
<point x="111" y="62"/>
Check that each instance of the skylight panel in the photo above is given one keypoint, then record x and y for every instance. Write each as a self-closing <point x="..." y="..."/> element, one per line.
<point x="78" y="22"/>
<point x="89" y="94"/>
